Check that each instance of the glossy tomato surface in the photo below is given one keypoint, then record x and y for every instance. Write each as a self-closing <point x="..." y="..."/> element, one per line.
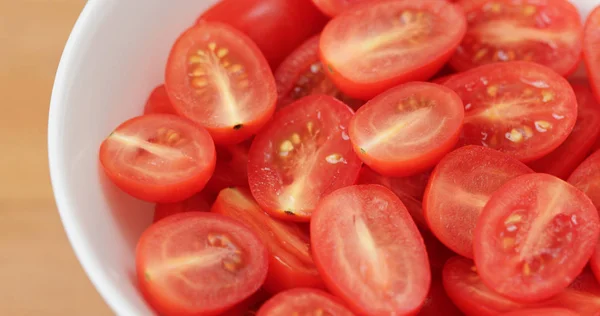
<point x="199" y="264"/>
<point x="158" y="102"/>
<point x="563" y="160"/>
<point x="379" y="44"/>
<point x="197" y="203"/>
<point x="548" y="32"/>
<point x="360" y="236"/>
<point x="302" y="74"/>
<point x="218" y="78"/>
<point x="520" y="108"/>
<point x="158" y="157"/>
<point x="534" y="236"/>
<point x="458" y="189"/>
<point x="302" y="301"/>
<point x="393" y="133"/>
<point x="548" y="311"/>
<point x="334" y="7"/>
<point x="276" y="26"/>
<point x="303" y="154"/>
<point x="591" y="50"/>
<point x="290" y="261"/>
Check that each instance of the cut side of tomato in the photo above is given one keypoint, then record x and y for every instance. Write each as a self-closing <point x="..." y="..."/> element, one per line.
<point x="302" y="301"/>
<point x="290" y="259"/>
<point x="591" y="50"/>
<point x="197" y="203"/>
<point x="231" y="169"/>
<point x="303" y="154"/>
<point x="219" y="79"/>
<point x="158" y="158"/>
<point x="199" y="264"/>
<point x="548" y="32"/>
<point x="158" y="102"/>
<point x="393" y="133"/>
<point x="369" y="251"/>
<point x="459" y="188"/>
<point x="534" y="236"/>
<point x="302" y="74"/>
<point x="564" y="159"/>
<point x="376" y="45"/>
<point x="549" y="311"/>
<point x="520" y="108"/>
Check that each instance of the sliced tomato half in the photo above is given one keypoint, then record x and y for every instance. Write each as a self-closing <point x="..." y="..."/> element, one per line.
<point x="591" y="50"/>
<point x="303" y="154"/>
<point x="158" y="102"/>
<point x="520" y="108"/>
<point x="218" y="78"/>
<point x="301" y="301"/>
<point x="197" y="203"/>
<point x="534" y="236"/>
<point x="548" y="311"/>
<point x="231" y="169"/>
<point x="376" y="45"/>
<point x="290" y="260"/>
<point x="369" y="251"/>
<point x="438" y="303"/>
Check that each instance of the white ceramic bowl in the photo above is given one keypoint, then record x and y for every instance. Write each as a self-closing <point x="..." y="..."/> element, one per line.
<point x="115" y="55"/>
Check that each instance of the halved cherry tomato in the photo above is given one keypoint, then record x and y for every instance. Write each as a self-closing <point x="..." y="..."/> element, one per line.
<point x="564" y="159"/>
<point x="591" y="50"/>
<point x="276" y="26"/>
<point x="199" y="264"/>
<point x="548" y="311"/>
<point x="231" y="169"/>
<point x="438" y="303"/>
<point x="369" y="251"/>
<point x="217" y="77"/>
<point x="158" y="102"/>
<point x="393" y="133"/>
<point x="197" y="203"/>
<point x="334" y="7"/>
<point x="302" y="74"/>
<point x="408" y="189"/>
<point x="379" y="44"/>
<point x="548" y="32"/>
<point x="158" y="157"/>
<point x="520" y="108"/>
<point x="534" y="236"/>
<point x="300" y="301"/>
<point x="249" y="306"/>
<point x="290" y="261"/>
<point x="303" y="154"/>
<point x="459" y="188"/>
<point x="437" y="252"/>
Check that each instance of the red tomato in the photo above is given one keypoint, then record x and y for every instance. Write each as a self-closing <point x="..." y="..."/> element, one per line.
<point x="408" y="189"/>
<point x="199" y="264"/>
<point x="303" y="154"/>
<point x="334" y="7"/>
<point x="564" y="159"/>
<point x="379" y="44"/>
<point x="302" y="74"/>
<point x="459" y="188"/>
<point x="197" y="203"/>
<point x="158" y="158"/>
<point x="369" y="251"/>
<point x="548" y="32"/>
<point x="290" y="261"/>
<point x="158" y="102"/>
<point x="437" y="253"/>
<point x="591" y="50"/>
<point x="249" y="306"/>
<point x="534" y="236"/>
<point x="276" y="26"/>
<point x="438" y="303"/>
<point x="549" y="311"/>
<point x="231" y="169"/>
<point x="393" y="133"/>
<point x="217" y="77"/>
<point x="301" y="301"/>
<point x="520" y="108"/>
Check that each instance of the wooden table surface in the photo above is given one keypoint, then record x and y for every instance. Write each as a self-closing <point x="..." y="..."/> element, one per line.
<point x="39" y="274"/>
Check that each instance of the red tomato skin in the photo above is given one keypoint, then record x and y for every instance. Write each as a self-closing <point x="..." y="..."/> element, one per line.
<point x="591" y="40"/>
<point x="197" y="203"/>
<point x="563" y="160"/>
<point x="303" y="298"/>
<point x="437" y="302"/>
<point x="165" y="304"/>
<point x="437" y="253"/>
<point x="542" y="312"/>
<point x="160" y="193"/>
<point x="231" y="169"/>
<point x="249" y="306"/>
<point x="276" y="26"/>
<point x="368" y="90"/>
<point x="158" y="102"/>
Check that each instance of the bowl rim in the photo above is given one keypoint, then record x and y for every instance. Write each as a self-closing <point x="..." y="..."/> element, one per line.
<point x="83" y="251"/>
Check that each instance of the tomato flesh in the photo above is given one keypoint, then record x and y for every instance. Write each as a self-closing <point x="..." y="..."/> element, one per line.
<point x="197" y="203"/>
<point x="303" y="154"/>
<point x="199" y="264"/>
<point x="548" y="32"/>
<point x="290" y="260"/>
<point x="542" y="312"/>
<point x="377" y="45"/>
<point x="158" y="102"/>
<point x="534" y="236"/>
<point x="360" y="235"/>
<point x="301" y="301"/>
<point x="393" y="133"/>
<point x="158" y="158"/>
<point x="591" y="50"/>
<point x="217" y="77"/>
<point x="520" y="108"/>
<point x="459" y="188"/>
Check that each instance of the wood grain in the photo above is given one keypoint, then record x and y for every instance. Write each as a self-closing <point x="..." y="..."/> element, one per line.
<point x="39" y="274"/>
